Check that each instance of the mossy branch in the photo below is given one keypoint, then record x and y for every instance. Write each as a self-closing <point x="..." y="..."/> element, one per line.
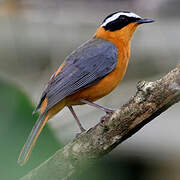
<point x="150" y="100"/>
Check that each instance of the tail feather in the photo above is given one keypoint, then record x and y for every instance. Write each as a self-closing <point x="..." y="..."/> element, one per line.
<point x="27" y="148"/>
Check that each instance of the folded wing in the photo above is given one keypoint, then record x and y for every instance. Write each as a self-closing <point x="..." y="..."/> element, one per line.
<point x="84" y="67"/>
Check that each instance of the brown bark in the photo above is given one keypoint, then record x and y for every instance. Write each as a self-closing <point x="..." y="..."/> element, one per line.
<point x="151" y="99"/>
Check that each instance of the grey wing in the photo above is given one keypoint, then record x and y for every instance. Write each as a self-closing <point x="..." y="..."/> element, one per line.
<point x="84" y="67"/>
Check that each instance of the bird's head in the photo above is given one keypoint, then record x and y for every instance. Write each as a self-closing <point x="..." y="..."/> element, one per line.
<point x="120" y="25"/>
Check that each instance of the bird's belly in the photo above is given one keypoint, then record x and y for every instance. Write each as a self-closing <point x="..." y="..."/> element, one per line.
<point x="101" y="88"/>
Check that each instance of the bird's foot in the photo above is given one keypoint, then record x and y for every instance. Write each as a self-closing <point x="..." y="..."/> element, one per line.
<point x="108" y="114"/>
<point x="78" y="134"/>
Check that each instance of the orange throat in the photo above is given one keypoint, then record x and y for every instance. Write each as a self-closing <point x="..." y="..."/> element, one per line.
<point x="121" y="38"/>
<point x="123" y="35"/>
<point x="122" y="41"/>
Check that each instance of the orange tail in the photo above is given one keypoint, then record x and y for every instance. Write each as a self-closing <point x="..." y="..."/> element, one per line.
<point x="27" y="148"/>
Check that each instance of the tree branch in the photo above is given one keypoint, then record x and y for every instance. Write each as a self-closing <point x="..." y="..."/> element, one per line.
<point x="150" y="100"/>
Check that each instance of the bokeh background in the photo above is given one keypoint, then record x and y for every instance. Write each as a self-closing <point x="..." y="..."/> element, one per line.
<point x="36" y="36"/>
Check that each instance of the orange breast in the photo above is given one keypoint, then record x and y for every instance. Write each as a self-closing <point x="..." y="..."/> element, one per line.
<point x="108" y="83"/>
<point x="121" y="38"/>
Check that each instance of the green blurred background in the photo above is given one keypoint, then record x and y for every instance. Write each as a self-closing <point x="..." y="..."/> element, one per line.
<point x="36" y="36"/>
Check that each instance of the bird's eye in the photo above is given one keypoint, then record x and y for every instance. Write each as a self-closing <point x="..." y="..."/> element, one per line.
<point x="122" y="17"/>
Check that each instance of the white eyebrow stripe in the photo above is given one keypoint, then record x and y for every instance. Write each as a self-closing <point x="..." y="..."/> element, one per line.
<point x="117" y="15"/>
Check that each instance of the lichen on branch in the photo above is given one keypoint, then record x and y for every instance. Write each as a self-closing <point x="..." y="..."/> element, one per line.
<point x="150" y="100"/>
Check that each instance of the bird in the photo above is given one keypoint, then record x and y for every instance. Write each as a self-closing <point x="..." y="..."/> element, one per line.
<point x="89" y="73"/>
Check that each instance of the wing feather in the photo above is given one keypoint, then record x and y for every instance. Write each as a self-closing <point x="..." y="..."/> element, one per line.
<point x="84" y="67"/>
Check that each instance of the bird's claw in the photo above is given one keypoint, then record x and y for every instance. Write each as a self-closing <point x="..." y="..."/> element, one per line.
<point x="78" y="134"/>
<point x="108" y="114"/>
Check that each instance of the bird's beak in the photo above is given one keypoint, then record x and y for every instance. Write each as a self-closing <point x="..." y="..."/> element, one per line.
<point x="146" y="20"/>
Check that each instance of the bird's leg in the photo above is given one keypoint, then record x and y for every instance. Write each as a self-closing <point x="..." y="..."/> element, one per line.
<point x="76" y="118"/>
<point x="108" y="111"/>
